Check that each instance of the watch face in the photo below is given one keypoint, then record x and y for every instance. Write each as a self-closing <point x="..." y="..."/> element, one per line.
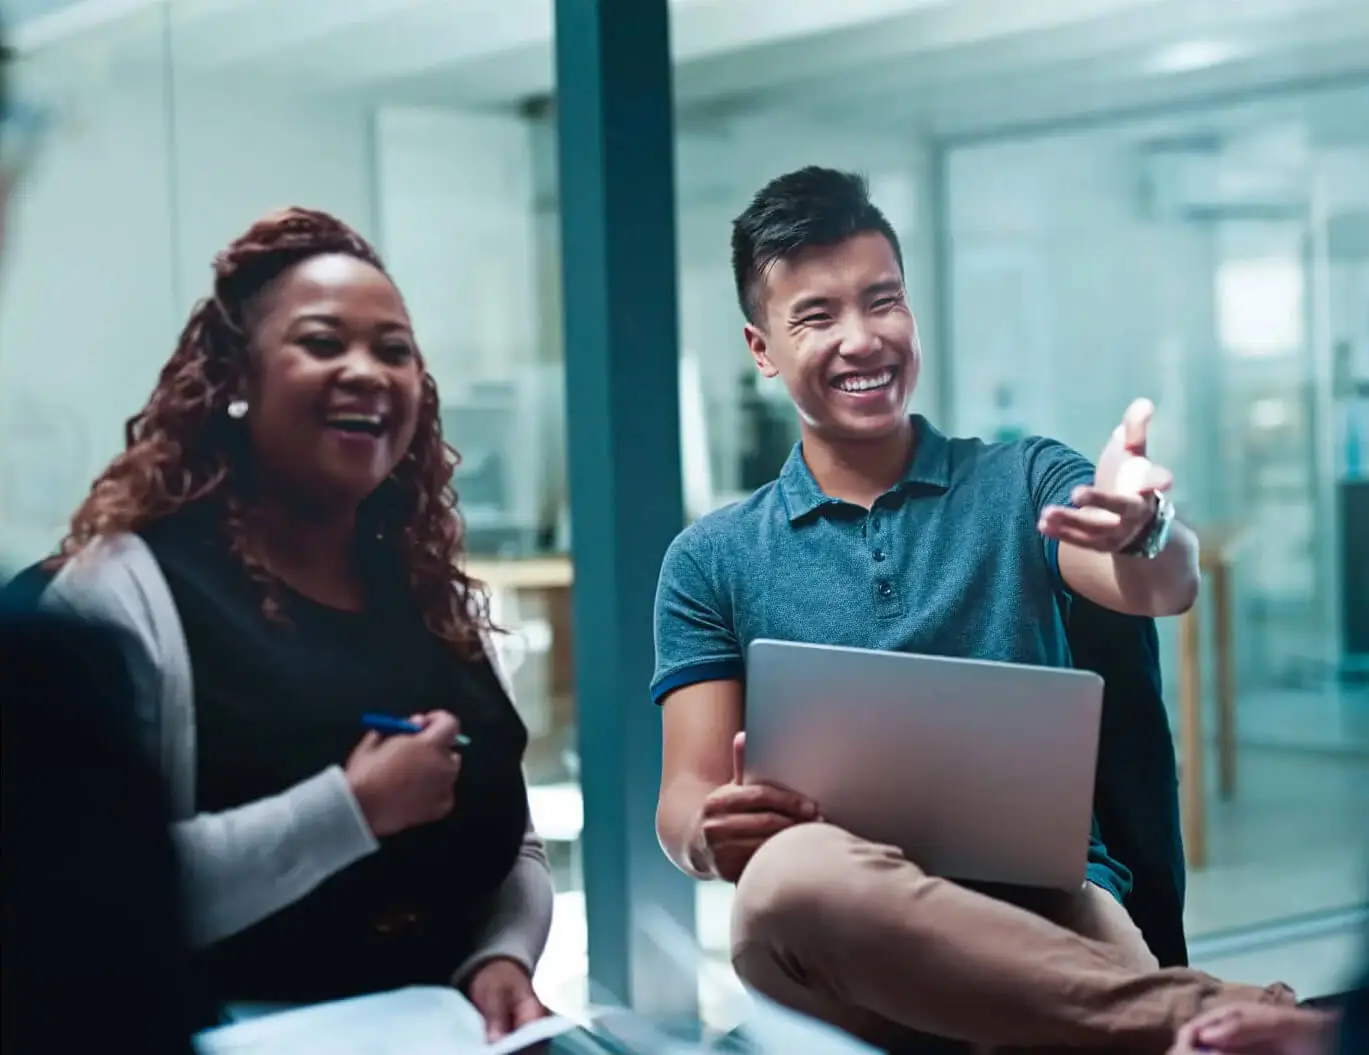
<point x="1149" y="545"/>
<point x="1159" y="532"/>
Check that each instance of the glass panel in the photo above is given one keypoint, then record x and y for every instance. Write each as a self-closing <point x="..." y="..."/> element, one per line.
<point x="380" y="113"/>
<point x="1209" y="291"/>
<point x="1097" y="204"/>
<point x="418" y="123"/>
<point x="1211" y="253"/>
<point x="86" y="306"/>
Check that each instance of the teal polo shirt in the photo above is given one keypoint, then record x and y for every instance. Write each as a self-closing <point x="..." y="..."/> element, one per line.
<point x="946" y="562"/>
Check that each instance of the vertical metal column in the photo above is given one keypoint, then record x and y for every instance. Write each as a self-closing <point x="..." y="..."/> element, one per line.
<point x="617" y="191"/>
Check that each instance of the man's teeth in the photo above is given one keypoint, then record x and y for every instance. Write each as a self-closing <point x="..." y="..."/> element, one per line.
<point x="865" y="382"/>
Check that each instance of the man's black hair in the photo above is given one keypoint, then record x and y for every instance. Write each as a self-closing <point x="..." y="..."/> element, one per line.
<point x="800" y="210"/>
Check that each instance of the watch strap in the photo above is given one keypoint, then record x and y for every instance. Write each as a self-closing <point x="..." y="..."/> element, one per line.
<point x="1151" y="540"/>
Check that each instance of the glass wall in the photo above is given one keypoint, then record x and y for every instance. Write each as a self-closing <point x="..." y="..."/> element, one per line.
<point x="87" y="307"/>
<point x="1212" y="258"/>
<point x="176" y="127"/>
<point x="1096" y="200"/>
<point x="1094" y="206"/>
<point x="738" y="428"/>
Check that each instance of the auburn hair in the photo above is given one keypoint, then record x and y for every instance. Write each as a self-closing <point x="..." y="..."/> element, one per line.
<point x="182" y="448"/>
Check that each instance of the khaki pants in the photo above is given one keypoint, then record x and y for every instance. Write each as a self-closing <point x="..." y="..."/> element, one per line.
<point x="857" y="935"/>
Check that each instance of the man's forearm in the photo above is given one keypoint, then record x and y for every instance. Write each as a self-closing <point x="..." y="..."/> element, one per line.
<point x="1166" y="585"/>
<point x="1169" y="582"/>
<point x="679" y="830"/>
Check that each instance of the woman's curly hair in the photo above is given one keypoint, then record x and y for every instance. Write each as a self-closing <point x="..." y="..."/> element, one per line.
<point x="183" y="447"/>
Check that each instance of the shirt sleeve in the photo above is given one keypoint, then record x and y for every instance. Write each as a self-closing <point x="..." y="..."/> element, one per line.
<point x="1053" y="472"/>
<point x="695" y="637"/>
<point x="1104" y="870"/>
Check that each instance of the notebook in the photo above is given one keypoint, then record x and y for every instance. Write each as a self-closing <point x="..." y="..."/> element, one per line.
<point x="418" y="1020"/>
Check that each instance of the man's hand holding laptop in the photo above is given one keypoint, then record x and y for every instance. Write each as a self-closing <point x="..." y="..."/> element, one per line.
<point x="738" y="817"/>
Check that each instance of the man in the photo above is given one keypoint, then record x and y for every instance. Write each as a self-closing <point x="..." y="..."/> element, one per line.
<point x="90" y="929"/>
<point x="883" y="533"/>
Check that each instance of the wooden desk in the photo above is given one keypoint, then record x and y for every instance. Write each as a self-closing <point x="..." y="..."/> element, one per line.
<point x="542" y="584"/>
<point x="531" y="573"/>
<point x="1219" y="548"/>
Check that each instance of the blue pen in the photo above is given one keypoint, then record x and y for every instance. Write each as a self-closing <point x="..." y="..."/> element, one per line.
<point x="384" y="724"/>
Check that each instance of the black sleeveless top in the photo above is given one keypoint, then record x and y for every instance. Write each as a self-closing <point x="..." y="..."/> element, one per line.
<point x="276" y="703"/>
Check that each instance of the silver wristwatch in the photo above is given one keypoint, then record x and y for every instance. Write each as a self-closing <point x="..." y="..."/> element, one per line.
<point x="1151" y="542"/>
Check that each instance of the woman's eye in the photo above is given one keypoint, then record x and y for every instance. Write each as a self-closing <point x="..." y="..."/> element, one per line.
<point x="397" y="352"/>
<point x="320" y="345"/>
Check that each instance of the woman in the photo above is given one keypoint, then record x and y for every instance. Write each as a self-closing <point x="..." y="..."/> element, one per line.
<point x="1266" y="1030"/>
<point x="281" y="537"/>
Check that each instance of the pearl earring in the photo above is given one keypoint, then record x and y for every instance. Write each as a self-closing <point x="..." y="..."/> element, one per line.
<point x="237" y="410"/>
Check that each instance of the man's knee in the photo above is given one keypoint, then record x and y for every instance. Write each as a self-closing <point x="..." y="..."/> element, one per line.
<point x="791" y="883"/>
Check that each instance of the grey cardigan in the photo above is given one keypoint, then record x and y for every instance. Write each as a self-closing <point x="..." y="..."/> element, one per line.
<point x="245" y="864"/>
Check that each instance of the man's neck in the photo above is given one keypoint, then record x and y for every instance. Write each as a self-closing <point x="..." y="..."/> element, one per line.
<point x="859" y="471"/>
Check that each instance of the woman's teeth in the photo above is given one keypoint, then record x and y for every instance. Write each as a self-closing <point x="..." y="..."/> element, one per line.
<point x="370" y="423"/>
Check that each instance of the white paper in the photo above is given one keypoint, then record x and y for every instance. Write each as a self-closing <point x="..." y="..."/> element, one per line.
<point x="542" y="1029"/>
<point x="419" y="1020"/>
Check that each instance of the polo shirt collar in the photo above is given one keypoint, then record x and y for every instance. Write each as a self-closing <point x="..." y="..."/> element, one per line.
<point x="930" y="468"/>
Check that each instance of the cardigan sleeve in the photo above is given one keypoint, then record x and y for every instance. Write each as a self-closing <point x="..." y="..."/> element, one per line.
<point x="245" y="864"/>
<point x="519" y="919"/>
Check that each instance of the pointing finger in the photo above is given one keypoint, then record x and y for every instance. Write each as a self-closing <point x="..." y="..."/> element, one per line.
<point x="1136" y="425"/>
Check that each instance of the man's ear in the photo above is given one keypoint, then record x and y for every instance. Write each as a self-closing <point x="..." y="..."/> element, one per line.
<point x="758" y="345"/>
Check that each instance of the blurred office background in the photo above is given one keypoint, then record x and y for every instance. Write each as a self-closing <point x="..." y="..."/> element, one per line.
<point x="1098" y="199"/>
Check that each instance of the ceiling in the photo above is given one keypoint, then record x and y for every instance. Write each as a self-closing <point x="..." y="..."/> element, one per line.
<point x="948" y="66"/>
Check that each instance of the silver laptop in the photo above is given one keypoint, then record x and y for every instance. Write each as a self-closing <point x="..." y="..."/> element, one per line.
<point x="977" y="771"/>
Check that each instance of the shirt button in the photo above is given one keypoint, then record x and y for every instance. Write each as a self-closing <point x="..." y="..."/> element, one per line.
<point x="878" y="554"/>
<point x="885" y="590"/>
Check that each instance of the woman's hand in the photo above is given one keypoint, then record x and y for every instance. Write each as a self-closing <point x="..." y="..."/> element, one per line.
<point x="501" y="991"/>
<point x="407" y="780"/>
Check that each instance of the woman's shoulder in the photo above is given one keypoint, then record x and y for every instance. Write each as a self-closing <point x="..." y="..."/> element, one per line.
<point x="143" y="553"/>
<point x="103" y="559"/>
<point x="115" y="577"/>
